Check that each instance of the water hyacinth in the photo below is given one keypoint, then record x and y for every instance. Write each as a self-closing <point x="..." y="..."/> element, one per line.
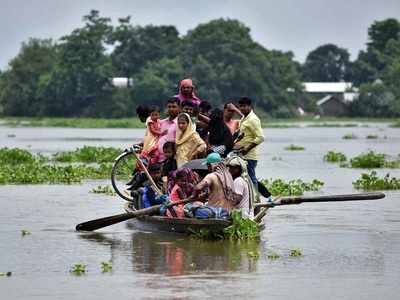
<point x="106" y="189"/>
<point x="89" y="154"/>
<point x="371" y="160"/>
<point x="295" y="187"/>
<point x="333" y="156"/>
<point x="78" y="269"/>
<point x="293" y="147"/>
<point x="371" y="182"/>
<point x="349" y="136"/>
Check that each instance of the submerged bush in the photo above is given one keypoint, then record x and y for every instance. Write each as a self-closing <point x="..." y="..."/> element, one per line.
<point x="333" y="156"/>
<point x="291" y="188"/>
<point x="294" y="148"/>
<point x="89" y="154"/>
<point x="371" y="182"/>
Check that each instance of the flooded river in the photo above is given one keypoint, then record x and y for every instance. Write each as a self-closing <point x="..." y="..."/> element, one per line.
<point x="350" y="250"/>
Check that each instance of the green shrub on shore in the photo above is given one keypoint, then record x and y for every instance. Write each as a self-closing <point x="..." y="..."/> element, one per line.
<point x="371" y="182"/>
<point x="291" y="188"/>
<point x="89" y="154"/>
<point x="372" y="160"/>
<point x="293" y="147"/>
<point x="333" y="156"/>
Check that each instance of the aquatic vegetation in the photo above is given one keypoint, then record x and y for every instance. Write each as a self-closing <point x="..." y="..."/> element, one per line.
<point x="333" y="156"/>
<point x="106" y="189"/>
<point x="89" y="154"/>
<point x="295" y="252"/>
<point x="371" y="160"/>
<point x="25" y="232"/>
<point x="8" y="274"/>
<point x="106" y="266"/>
<point x="371" y="137"/>
<point x="206" y="234"/>
<point x="18" y="156"/>
<point x="273" y="255"/>
<point x="332" y="125"/>
<point x="253" y="254"/>
<point x="78" y="269"/>
<point x="241" y="228"/>
<point x="276" y="158"/>
<point x="293" y="147"/>
<point x="291" y="188"/>
<point x="349" y="136"/>
<point x="371" y="182"/>
<point x="396" y="124"/>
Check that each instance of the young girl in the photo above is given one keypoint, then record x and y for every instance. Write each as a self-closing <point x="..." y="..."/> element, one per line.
<point x="178" y="193"/>
<point x="153" y="131"/>
<point x="188" y="142"/>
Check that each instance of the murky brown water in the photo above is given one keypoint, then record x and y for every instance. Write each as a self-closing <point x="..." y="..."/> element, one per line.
<point x="350" y="250"/>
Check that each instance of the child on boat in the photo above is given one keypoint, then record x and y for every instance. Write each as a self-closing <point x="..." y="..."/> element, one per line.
<point x="169" y="164"/>
<point x="177" y="194"/>
<point x="153" y="129"/>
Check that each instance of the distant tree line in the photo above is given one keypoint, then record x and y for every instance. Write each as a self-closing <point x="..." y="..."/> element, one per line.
<point x="71" y="77"/>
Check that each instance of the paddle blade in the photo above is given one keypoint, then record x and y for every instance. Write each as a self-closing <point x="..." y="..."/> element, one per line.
<point x="102" y="222"/>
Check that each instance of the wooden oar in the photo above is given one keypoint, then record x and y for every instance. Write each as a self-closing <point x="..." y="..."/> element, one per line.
<point x="107" y="221"/>
<point x="155" y="187"/>
<point x="330" y="198"/>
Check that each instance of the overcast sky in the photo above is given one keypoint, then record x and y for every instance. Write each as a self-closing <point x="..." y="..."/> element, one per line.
<point x="296" y="25"/>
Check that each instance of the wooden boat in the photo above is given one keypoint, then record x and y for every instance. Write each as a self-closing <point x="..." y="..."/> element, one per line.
<point x="175" y="225"/>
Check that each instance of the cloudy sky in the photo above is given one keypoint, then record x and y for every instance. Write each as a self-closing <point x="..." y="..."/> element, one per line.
<point x="295" y="25"/>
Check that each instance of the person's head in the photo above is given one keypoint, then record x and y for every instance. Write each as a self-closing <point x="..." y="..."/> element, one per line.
<point x="187" y="107"/>
<point x="173" y="107"/>
<point x="212" y="161"/>
<point x="245" y="105"/>
<point x="169" y="149"/>
<point x="183" y="122"/>
<point x="143" y="112"/>
<point x="235" y="168"/>
<point x="154" y="113"/>
<point x="228" y="112"/>
<point x="155" y="171"/>
<point x="204" y="108"/>
<point x="186" y="87"/>
<point x="181" y="180"/>
<point x="216" y="127"/>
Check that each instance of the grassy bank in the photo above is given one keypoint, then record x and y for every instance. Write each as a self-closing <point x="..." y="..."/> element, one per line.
<point x="135" y="122"/>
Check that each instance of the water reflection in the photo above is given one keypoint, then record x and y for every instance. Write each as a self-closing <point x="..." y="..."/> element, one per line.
<point x="158" y="253"/>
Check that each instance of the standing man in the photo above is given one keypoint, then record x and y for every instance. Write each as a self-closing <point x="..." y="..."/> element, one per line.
<point x="252" y="136"/>
<point x="168" y="125"/>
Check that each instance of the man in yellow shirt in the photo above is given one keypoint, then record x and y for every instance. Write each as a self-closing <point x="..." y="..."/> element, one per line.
<point x="252" y="136"/>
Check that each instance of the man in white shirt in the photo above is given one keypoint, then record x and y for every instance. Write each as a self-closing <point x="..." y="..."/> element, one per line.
<point x="242" y="186"/>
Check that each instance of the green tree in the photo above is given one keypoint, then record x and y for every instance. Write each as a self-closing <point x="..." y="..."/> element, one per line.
<point x="78" y="83"/>
<point x="381" y="32"/>
<point x="19" y="82"/>
<point x="327" y="63"/>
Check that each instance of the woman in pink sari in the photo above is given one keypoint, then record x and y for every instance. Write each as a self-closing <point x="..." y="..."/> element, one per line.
<point x="186" y="92"/>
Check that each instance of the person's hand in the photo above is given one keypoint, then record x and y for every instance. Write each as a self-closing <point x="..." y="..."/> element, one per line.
<point x="244" y="150"/>
<point x="231" y="106"/>
<point x="237" y="147"/>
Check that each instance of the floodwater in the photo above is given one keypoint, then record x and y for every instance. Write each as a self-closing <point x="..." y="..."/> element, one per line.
<point x="350" y="249"/>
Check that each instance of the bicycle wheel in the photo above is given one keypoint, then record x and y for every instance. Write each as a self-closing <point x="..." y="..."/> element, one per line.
<point x="121" y="174"/>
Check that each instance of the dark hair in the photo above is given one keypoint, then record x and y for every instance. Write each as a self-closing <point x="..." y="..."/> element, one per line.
<point x="216" y="127"/>
<point x="173" y="100"/>
<point x="180" y="174"/>
<point x="205" y="105"/>
<point x="143" y="112"/>
<point x="169" y="145"/>
<point x="155" y="167"/>
<point x="187" y="103"/>
<point x="245" y="101"/>
<point x="154" y="108"/>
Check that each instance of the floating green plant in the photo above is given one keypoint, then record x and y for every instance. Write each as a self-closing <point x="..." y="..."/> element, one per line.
<point x="89" y="154"/>
<point x="371" y="137"/>
<point x="333" y="156"/>
<point x="295" y="187"/>
<point x="295" y="252"/>
<point x="371" y="160"/>
<point x="106" y="189"/>
<point x="349" y="136"/>
<point x="253" y="254"/>
<point x="25" y="232"/>
<point x="78" y="269"/>
<point x="371" y="182"/>
<point x="241" y="228"/>
<point x="106" y="266"/>
<point x="293" y="147"/>
<point x="273" y="255"/>
<point x="276" y="158"/>
<point x="8" y="274"/>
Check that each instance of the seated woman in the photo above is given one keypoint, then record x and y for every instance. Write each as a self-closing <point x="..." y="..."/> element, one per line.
<point x="189" y="145"/>
<point x="219" y="138"/>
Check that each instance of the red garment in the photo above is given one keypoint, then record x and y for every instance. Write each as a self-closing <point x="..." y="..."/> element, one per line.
<point x="174" y="197"/>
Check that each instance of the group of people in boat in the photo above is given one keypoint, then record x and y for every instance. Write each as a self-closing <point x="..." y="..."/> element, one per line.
<point x="193" y="129"/>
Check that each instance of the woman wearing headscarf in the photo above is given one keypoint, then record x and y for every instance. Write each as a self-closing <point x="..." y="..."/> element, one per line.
<point x="188" y="142"/>
<point x="186" y="92"/>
